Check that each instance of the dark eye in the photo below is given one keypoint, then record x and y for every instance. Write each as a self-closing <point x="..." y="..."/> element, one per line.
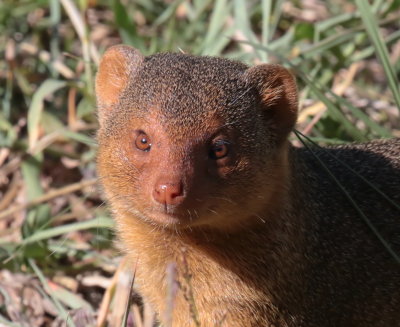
<point x="143" y="142"/>
<point x="219" y="149"/>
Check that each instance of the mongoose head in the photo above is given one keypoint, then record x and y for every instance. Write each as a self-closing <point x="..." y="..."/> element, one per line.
<point x="188" y="141"/>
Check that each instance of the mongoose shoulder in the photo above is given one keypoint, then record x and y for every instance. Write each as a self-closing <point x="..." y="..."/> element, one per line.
<point x="195" y="162"/>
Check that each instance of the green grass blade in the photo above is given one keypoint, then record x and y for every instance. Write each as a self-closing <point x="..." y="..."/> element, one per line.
<point x="242" y="23"/>
<point x="127" y="29"/>
<point x="369" y="51"/>
<point x="372" y="28"/>
<point x="330" y="42"/>
<point x="218" y="17"/>
<point x="168" y="13"/>
<point x="357" y="113"/>
<point x="99" y="222"/>
<point x="35" y="110"/>
<point x="275" y="18"/>
<point x="82" y="138"/>
<point x="332" y="108"/>
<point x="266" y="7"/>
<point x="284" y="42"/>
<point x="338" y="20"/>
<point x="319" y="92"/>
<point x="40" y="215"/>
<point x="55" y="17"/>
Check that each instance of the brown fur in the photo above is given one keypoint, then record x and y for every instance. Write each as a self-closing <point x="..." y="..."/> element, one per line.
<point x="267" y="236"/>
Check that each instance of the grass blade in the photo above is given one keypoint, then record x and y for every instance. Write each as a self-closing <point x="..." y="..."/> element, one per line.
<point x="372" y="27"/>
<point x="217" y="21"/>
<point x="99" y="222"/>
<point x="58" y="305"/>
<point x="356" y="112"/>
<point x="35" y="110"/>
<point x="242" y="22"/>
<point x="37" y="217"/>
<point x="127" y="29"/>
<point x="266" y="7"/>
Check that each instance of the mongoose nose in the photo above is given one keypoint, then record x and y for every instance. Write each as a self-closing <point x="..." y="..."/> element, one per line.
<point x="168" y="193"/>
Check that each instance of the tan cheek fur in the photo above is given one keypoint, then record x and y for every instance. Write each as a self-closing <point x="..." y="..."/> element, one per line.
<point x="154" y="248"/>
<point x="217" y="289"/>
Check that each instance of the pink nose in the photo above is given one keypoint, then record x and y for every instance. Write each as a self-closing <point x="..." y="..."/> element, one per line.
<point x="168" y="193"/>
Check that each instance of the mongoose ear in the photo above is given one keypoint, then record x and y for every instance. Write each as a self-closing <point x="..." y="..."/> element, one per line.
<point x="278" y="95"/>
<point x="117" y="66"/>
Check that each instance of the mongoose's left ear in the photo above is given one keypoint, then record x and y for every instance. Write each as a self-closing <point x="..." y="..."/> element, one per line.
<point x="118" y="66"/>
<point x="278" y="95"/>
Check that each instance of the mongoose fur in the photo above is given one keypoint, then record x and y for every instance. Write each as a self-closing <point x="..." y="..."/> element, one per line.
<point x="194" y="160"/>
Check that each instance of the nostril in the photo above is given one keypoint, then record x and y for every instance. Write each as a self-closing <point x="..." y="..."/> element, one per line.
<point x="168" y="193"/>
<point x="159" y="194"/>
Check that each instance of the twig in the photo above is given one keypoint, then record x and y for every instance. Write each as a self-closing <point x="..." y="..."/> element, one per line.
<point x="88" y="49"/>
<point x="108" y="295"/>
<point x="10" y="167"/>
<point x="45" y="56"/>
<point x="11" y="193"/>
<point x="48" y="196"/>
<point x="4" y="153"/>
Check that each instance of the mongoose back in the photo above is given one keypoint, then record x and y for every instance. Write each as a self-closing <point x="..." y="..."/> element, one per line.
<point x="195" y="162"/>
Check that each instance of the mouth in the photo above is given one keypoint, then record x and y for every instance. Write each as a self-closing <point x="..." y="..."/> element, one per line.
<point x="188" y="215"/>
<point x="170" y="217"/>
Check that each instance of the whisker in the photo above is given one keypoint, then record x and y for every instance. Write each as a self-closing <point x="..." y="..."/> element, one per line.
<point x="223" y="198"/>
<point x="213" y="211"/>
<point x="259" y="217"/>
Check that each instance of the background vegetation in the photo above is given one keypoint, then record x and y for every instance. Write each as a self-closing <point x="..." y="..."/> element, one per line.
<point x="57" y="259"/>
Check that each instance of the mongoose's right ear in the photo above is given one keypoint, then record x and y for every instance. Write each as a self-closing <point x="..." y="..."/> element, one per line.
<point x="117" y="66"/>
<point x="277" y="89"/>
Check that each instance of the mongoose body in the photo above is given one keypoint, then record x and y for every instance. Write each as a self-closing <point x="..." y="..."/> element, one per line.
<point x="194" y="159"/>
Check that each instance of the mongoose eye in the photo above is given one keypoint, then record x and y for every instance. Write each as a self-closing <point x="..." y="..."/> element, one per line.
<point x="143" y="142"/>
<point x="219" y="149"/>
